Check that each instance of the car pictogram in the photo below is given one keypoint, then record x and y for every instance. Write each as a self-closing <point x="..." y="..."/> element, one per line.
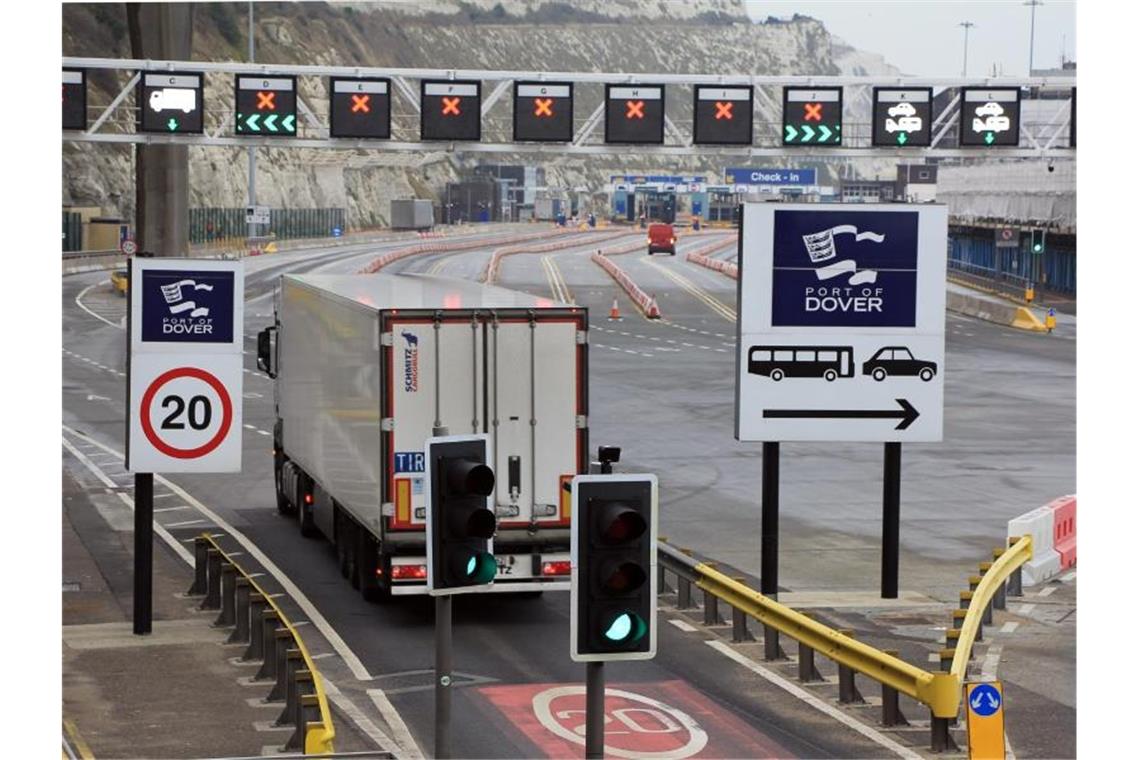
<point x="898" y="361"/>
<point x="901" y="109"/>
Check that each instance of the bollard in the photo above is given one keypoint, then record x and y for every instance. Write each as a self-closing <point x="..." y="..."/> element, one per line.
<point x="740" y="631"/>
<point x="712" y="617"/>
<point x="848" y="692"/>
<point x="213" y="598"/>
<point x="201" y="549"/>
<point x="945" y="659"/>
<point x="270" y="664"/>
<point x="958" y="616"/>
<point x="940" y="740"/>
<point x="807" y="670"/>
<point x="256" y="648"/>
<point x="662" y="586"/>
<point x="294" y="664"/>
<point x="282" y="645"/>
<point x="308" y="711"/>
<point x="684" y="593"/>
<point x="892" y="713"/>
<point x="772" y="650"/>
<point x="228" y="613"/>
<point x="952" y="636"/>
<point x="240" y="634"/>
<point x="964" y="598"/>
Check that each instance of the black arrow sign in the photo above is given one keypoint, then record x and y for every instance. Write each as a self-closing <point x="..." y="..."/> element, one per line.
<point x="906" y="414"/>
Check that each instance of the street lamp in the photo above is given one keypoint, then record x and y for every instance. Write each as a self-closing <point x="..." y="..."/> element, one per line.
<point x="966" y="43"/>
<point x="1032" y="20"/>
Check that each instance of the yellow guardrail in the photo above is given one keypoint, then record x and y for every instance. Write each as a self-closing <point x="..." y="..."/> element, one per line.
<point x="318" y="739"/>
<point x="1000" y="569"/>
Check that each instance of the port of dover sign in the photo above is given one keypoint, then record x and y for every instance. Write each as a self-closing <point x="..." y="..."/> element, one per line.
<point x="841" y="327"/>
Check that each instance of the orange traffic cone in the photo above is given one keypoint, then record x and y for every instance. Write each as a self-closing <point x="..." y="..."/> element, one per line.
<point x="615" y="315"/>
<point x="653" y="312"/>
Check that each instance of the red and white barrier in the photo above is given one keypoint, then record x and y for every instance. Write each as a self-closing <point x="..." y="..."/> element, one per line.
<point x="700" y="257"/>
<point x="455" y="245"/>
<point x="491" y="273"/>
<point x="641" y="299"/>
<point x="1054" y="531"/>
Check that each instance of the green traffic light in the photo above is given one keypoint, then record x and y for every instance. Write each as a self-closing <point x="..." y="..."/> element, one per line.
<point x="480" y="568"/>
<point x="625" y="628"/>
<point x="1038" y="248"/>
<point x="471" y="565"/>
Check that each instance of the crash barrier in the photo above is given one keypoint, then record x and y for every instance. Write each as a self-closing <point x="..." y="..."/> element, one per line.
<point x="1009" y="315"/>
<point x="1054" y="530"/>
<point x="491" y="272"/>
<point x="447" y="247"/>
<point x="642" y="300"/>
<point x="941" y="692"/>
<point x="701" y="257"/>
<point x="258" y="622"/>
<point x="75" y="262"/>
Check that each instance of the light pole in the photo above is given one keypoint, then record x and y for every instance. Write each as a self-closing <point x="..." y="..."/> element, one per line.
<point x="966" y="42"/>
<point x="1032" y="20"/>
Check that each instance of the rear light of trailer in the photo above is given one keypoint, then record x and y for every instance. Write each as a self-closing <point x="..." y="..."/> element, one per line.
<point x="308" y="498"/>
<point x="559" y="567"/>
<point x="409" y="572"/>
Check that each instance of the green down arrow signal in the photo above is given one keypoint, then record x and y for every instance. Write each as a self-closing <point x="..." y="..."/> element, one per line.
<point x="251" y="122"/>
<point x="790" y="133"/>
<point x="901" y="138"/>
<point x="287" y="123"/>
<point x="271" y="122"/>
<point x="824" y="133"/>
<point x="808" y="133"/>
<point x="989" y="138"/>
<point x="172" y="125"/>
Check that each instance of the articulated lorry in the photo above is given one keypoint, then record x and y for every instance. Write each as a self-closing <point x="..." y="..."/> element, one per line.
<point x="367" y="367"/>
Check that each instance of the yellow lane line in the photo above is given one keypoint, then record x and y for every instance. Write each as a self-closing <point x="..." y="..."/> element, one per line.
<point x="558" y="282"/>
<point x="437" y="267"/>
<point x="77" y="740"/>
<point x="695" y="290"/>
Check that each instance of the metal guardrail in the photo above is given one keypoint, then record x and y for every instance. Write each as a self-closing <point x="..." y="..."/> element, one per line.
<point x="245" y="606"/>
<point x="941" y="692"/>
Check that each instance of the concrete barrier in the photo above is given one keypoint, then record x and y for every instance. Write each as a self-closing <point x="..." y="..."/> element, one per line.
<point x="491" y="272"/>
<point x="992" y="311"/>
<point x="442" y="247"/>
<point x="701" y="257"/>
<point x="1054" y="531"/>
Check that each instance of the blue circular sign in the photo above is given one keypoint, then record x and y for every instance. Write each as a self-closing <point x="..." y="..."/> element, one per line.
<point x="985" y="700"/>
<point x="336" y="231"/>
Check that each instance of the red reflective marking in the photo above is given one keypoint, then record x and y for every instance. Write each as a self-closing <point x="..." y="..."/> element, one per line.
<point x="360" y="103"/>
<point x="813" y="111"/>
<point x="265" y="101"/>
<point x="723" y="110"/>
<point x="542" y="107"/>
<point x="451" y="106"/>
<point x="634" y="109"/>
<point x="651" y="720"/>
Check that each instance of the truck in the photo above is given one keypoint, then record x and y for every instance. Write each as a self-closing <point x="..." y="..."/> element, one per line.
<point x="368" y="367"/>
<point x="547" y="209"/>
<point x="412" y="214"/>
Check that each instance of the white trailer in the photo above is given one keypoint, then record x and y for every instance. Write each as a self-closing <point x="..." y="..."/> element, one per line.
<point x="412" y="214"/>
<point x="368" y="366"/>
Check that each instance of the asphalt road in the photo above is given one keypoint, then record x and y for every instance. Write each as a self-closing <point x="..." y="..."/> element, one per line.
<point x="663" y="390"/>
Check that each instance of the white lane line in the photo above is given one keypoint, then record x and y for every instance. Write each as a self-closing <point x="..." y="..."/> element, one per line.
<point x="1047" y="591"/>
<point x="814" y="701"/>
<point x="682" y="625"/>
<point x="185" y="523"/>
<point x="263" y="432"/>
<point x="79" y="303"/>
<point x="1010" y="627"/>
<point x="990" y="663"/>
<point x="1068" y="577"/>
<point x="171" y="509"/>
<point x="1026" y="609"/>
<point x="248" y="426"/>
<point x="350" y="659"/>
<point x="404" y="737"/>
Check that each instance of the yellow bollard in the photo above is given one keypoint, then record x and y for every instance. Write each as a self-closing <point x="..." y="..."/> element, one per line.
<point x="1029" y="294"/>
<point x="1050" y="320"/>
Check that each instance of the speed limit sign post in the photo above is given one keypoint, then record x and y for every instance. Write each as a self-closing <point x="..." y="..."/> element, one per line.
<point x="184" y="337"/>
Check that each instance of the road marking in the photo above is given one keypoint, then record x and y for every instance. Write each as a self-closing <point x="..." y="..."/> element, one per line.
<point x="1010" y="627"/>
<point x="1047" y="591"/>
<point x="696" y="291"/>
<point x="79" y="303"/>
<point x="80" y="745"/>
<point x="263" y="432"/>
<point x="1026" y="609"/>
<point x="814" y="701"/>
<point x="990" y="663"/>
<point x="185" y="523"/>
<point x="248" y="426"/>
<point x="682" y="625"/>
<point x="1068" y="577"/>
<point x="350" y="659"/>
<point x="172" y="509"/>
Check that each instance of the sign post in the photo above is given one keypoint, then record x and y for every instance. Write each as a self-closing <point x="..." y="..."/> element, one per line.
<point x="184" y="342"/>
<point x="841" y="338"/>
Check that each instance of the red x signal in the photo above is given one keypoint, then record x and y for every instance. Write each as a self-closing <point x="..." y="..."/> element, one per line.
<point x="813" y="111"/>
<point x="723" y="110"/>
<point x="542" y="107"/>
<point x="451" y="106"/>
<point x="265" y="101"/>
<point x="360" y="103"/>
<point x="634" y="109"/>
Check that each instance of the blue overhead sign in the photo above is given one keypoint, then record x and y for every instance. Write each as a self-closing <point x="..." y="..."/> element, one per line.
<point x="648" y="179"/>
<point x="844" y="269"/>
<point x="750" y="176"/>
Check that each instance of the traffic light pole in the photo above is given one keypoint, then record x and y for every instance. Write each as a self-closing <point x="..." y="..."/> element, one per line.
<point x="770" y="520"/>
<point x="595" y="709"/>
<point x="892" y="486"/>
<point x="144" y="552"/>
<point x="443" y="676"/>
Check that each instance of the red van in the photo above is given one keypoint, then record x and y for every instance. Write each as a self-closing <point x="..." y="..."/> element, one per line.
<point x="662" y="238"/>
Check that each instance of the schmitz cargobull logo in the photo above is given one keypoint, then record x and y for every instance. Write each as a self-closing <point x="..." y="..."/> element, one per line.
<point x="844" y="268"/>
<point x="187" y="306"/>
<point x="411" y="362"/>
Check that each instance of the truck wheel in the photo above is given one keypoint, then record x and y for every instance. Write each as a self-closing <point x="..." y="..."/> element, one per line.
<point x="283" y="505"/>
<point x="305" y="515"/>
<point x="367" y="562"/>
<point x="345" y="547"/>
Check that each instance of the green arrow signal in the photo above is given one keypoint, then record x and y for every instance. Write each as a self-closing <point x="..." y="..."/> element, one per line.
<point x="251" y="122"/>
<point x="808" y="133"/>
<point x="172" y="125"/>
<point x="287" y="123"/>
<point x="901" y="138"/>
<point x="790" y="133"/>
<point x="824" y="133"/>
<point x="989" y="138"/>
<point x="271" y="122"/>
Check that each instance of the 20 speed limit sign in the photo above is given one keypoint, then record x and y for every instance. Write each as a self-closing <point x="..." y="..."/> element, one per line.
<point x="185" y="417"/>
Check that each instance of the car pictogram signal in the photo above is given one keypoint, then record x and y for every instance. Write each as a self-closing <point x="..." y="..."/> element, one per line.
<point x="450" y="106"/>
<point x="360" y="103"/>
<point x="265" y="101"/>
<point x="635" y="109"/>
<point x="542" y="107"/>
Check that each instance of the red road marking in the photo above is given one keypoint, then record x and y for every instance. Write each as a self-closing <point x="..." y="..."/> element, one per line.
<point x="152" y="391"/>
<point x="542" y="107"/>
<point x="723" y="110"/>
<point x="450" y="106"/>
<point x="655" y="721"/>
<point x="633" y="109"/>
<point x="360" y="103"/>
<point x="813" y="111"/>
<point x="265" y="101"/>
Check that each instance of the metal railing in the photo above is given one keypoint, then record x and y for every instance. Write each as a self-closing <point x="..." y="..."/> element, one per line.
<point x="941" y="692"/>
<point x="260" y="623"/>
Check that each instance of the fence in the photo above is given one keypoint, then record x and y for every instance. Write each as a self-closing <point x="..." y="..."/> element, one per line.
<point x="213" y="223"/>
<point x="973" y="250"/>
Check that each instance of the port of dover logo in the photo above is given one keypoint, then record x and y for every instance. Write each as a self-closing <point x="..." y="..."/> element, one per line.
<point x="187" y="306"/>
<point x="844" y="269"/>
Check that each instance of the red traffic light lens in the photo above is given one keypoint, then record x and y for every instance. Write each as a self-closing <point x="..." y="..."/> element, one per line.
<point x="619" y="524"/>
<point x="622" y="577"/>
<point x="467" y="477"/>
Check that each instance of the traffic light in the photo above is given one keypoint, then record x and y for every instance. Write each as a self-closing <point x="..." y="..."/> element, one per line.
<point x="459" y="523"/>
<point x="613" y="576"/>
<point x="1037" y="241"/>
